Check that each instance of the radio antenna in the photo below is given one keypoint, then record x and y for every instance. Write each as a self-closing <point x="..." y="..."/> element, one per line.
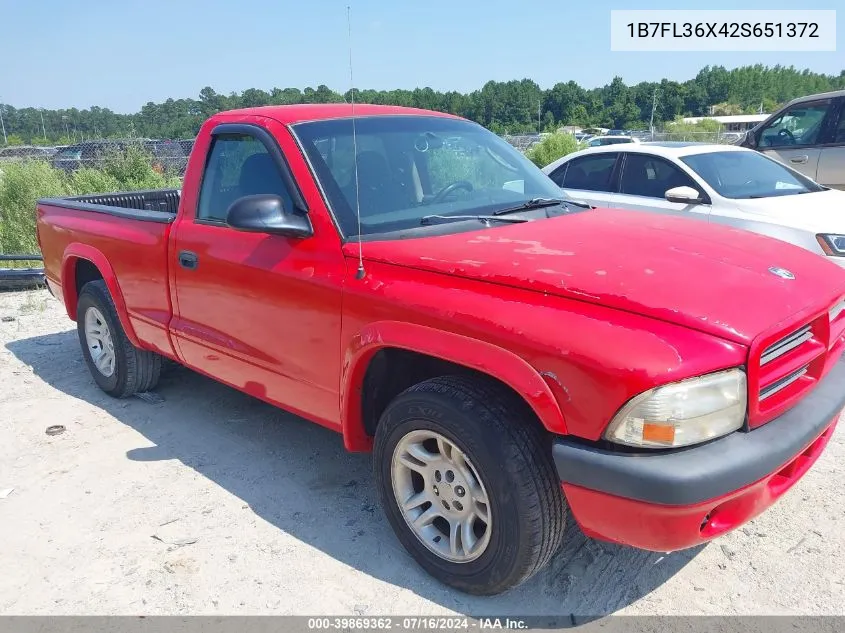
<point x="360" y="274"/>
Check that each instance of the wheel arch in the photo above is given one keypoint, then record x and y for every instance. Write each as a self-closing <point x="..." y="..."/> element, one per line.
<point x="439" y="348"/>
<point x="78" y="263"/>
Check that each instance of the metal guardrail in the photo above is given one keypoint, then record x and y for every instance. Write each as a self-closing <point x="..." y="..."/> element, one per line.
<point x="20" y="278"/>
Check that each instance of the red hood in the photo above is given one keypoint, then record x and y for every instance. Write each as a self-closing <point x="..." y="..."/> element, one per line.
<point x="706" y="277"/>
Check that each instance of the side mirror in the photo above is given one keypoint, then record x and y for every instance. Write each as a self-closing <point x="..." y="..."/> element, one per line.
<point x="683" y="195"/>
<point x="266" y="213"/>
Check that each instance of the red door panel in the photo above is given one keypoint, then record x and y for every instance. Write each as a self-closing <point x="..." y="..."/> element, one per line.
<point x="262" y="312"/>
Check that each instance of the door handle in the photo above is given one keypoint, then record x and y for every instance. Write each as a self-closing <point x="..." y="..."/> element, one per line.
<point x="799" y="160"/>
<point x="188" y="260"/>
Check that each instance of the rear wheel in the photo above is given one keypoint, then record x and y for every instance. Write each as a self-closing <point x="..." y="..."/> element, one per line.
<point x="118" y="367"/>
<point x="467" y="482"/>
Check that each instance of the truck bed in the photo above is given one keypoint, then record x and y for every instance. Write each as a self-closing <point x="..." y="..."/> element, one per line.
<point x="161" y="203"/>
<point x="125" y="234"/>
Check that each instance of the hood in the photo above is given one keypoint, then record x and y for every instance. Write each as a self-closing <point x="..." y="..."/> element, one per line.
<point x="710" y="278"/>
<point x="819" y="212"/>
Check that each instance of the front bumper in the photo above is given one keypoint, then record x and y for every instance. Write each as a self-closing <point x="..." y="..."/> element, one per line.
<point x="677" y="499"/>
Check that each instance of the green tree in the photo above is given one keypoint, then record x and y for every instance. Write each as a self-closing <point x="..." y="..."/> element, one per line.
<point x="508" y="105"/>
<point x="551" y="148"/>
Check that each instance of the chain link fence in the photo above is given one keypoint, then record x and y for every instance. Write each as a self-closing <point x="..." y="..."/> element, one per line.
<point x="723" y="138"/>
<point x="523" y="142"/>
<point x="165" y="156"/>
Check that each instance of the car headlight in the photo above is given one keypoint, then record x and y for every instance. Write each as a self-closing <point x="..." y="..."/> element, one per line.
<point x="682" y="413"/>
<point x="832" y="244"/>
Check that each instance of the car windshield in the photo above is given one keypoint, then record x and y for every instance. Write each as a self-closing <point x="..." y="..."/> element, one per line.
<point x="410" y="167"/>
<point x="748" y="175"/>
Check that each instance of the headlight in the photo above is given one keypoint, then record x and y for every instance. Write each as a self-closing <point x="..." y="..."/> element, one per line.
<point x="832" y="244"/>
<point x="682" y="413"/>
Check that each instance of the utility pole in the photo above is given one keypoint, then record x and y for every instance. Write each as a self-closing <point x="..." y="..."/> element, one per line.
<point x="653" y="106"/>
<point x="3" y="125"/>
<point x="43" y="129"/>
<point x="538" y="116"/>
<point x="67" y="132"/>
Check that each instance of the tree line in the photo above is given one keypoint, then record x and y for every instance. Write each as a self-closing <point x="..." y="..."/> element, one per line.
<point x="504" y="107"/>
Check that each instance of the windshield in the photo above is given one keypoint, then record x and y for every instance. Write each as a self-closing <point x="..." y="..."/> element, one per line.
<point x="748" y="175"/>
<point x="410" y="167"/>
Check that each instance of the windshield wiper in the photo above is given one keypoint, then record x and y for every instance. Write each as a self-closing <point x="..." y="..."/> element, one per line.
<point x="539" y="203"/>
<point x="429" y="219"/>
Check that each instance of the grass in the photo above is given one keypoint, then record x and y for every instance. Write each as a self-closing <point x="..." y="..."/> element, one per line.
<point x="23" y="183"/>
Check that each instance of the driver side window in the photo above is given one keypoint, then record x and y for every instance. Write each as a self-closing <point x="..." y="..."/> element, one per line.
<point x="800" y="125"/>
<point x="238" y="165"/>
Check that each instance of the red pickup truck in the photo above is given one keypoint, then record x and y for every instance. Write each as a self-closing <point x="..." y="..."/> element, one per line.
<point x="512" y="359"/>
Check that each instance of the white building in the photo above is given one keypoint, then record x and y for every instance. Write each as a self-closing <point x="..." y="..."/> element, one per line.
<point x="733" y="122"/>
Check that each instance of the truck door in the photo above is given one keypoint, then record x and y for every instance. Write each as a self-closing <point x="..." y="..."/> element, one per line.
<point x="255" y="310"/>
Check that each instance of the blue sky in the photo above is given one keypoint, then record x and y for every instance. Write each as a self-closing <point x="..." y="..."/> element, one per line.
<point x="123" y="53"/>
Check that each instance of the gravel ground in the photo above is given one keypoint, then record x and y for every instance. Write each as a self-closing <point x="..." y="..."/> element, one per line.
<point x="211" y="502"/>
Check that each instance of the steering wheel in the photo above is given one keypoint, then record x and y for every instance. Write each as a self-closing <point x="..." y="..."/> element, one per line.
<point x="783" y="132"/>
<point x="443" y="193"/>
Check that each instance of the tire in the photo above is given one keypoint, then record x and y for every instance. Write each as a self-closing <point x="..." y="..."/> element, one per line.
<point x="133" y="370"/>
<point x="509" y="457"/>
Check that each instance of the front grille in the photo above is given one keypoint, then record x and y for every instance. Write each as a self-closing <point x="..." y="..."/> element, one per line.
<point x="786" y="344"/>
<point x="790" y="365"/>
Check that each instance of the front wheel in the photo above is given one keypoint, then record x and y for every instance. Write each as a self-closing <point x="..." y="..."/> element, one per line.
<point x="467" y="483"/>
<point x="118" y="367"/>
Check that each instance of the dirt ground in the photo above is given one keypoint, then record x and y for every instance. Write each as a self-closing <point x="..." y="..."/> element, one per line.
<point x="211" y="502"/>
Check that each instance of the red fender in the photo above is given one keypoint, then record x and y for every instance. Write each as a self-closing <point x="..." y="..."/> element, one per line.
<point x="461" y="350"/>
<point x="76" y="251"/>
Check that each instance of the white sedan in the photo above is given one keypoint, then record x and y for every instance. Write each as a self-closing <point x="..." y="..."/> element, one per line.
<point x="715" y="183"/>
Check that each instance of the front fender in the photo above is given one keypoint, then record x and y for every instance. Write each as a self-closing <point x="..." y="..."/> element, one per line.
<point x="484" y="357"/>
<point x="76" y="251"/>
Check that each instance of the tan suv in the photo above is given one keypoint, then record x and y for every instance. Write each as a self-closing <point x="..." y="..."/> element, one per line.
<point x="808" y="134"/>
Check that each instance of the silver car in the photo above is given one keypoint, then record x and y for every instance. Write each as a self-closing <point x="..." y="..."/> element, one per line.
<point x="808" y="134"/>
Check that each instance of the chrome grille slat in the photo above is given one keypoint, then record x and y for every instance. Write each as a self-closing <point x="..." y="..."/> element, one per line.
<point x="835" y="311"/>
<point x="784" y="382"/>
<point x="786" y="344"/>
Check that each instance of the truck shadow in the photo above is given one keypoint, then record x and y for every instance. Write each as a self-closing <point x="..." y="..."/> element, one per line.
<point x="297" y="476"/>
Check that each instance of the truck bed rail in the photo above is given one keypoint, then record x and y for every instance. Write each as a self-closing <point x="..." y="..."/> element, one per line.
<point x="154" y="205"/>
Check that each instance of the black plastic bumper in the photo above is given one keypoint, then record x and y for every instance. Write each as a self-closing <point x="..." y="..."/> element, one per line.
<point x="696" y="474"/>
